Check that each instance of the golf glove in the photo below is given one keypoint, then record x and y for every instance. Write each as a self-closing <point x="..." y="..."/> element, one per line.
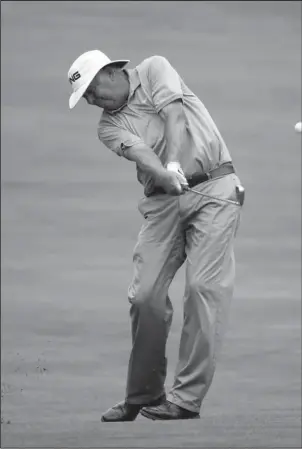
<point x="176" y="168"/>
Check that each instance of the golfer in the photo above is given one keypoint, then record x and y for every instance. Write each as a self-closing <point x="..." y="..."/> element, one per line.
<point x="150" y="117"/>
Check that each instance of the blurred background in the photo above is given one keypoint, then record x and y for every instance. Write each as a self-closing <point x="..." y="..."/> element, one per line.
<point x="69" y="222"/>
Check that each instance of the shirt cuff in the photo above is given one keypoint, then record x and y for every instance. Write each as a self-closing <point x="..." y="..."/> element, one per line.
<point x="167" y="101"/>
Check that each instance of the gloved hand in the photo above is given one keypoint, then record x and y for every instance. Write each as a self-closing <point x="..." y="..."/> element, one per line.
<point x="174" y="181"/>
<point x="176" y="168"/>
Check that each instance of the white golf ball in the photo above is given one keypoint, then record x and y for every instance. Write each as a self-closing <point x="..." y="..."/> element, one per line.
<point x="298" y="127"/>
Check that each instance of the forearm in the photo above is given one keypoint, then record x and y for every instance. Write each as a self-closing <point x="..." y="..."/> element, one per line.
<point x="146" y="160"/>
<point x="175" y="132"/>
<point x="150" y="163"/>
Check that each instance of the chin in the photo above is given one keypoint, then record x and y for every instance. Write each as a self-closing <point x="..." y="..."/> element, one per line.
<point x="111" y="107"/>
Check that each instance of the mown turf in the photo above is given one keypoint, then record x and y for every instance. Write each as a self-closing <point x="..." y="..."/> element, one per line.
<point x="69" y="223"/>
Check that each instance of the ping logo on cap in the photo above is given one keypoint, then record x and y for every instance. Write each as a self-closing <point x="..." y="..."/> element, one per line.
<point x="74" y="77"/>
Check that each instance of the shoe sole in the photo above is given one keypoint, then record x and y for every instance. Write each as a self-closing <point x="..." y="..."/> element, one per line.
<point x="132" y="418"/>
<point x="117" y="420"/>
<point x="154" y="403"/>
<point x="157" y="418"/>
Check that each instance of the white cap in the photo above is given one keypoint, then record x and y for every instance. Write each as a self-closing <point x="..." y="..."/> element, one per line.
<point x="84" y="69"/>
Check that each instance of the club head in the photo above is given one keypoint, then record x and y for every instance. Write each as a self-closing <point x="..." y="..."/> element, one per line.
<point x="240" y="194"/>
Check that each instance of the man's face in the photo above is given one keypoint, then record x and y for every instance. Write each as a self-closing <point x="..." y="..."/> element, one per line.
<point x="106" y="90"/>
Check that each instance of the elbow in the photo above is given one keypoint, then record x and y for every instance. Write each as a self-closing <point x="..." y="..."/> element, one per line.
<point x="133" y="152"/>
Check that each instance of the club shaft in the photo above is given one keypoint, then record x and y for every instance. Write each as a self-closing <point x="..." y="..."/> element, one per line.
<point x="214" y="197"/>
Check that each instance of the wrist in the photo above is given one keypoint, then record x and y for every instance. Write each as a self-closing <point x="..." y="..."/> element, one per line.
<point x="160" y="174"/>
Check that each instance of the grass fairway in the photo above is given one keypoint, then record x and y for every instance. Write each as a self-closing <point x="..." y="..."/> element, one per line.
<point x="69" y="223"/>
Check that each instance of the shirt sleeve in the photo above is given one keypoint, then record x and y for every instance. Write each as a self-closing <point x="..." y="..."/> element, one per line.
<point x="164" y="81"/>
<point x="116" y="138"/>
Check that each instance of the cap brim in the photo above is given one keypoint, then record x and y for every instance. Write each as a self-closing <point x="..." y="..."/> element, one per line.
<point x="77" y="95"/>
<point x="119" y="62"/>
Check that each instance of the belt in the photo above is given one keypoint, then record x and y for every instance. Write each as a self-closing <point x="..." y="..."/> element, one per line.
<point x="199" y="178"/>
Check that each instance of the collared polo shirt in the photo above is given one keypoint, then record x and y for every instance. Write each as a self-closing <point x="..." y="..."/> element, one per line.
<point x="154" y="84"/>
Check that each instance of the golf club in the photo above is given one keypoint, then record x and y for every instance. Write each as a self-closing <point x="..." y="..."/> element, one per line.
<point x="240" y="194"/>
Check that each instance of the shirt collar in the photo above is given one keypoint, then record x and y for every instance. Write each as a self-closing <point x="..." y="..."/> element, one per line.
<point x="133" y="80"/>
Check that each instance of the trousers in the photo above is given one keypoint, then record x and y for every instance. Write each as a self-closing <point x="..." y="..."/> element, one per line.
<point x="200" y="232"/>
